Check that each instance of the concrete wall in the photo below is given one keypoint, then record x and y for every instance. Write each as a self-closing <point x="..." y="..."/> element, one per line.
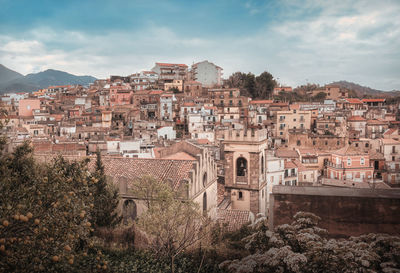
<point x="344" y="211"/>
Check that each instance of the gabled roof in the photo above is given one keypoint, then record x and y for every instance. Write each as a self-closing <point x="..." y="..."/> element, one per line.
<point x="161" y="169"/>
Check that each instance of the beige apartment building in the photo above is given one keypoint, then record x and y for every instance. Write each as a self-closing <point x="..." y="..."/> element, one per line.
<point x="292" y="120"/>
<point x="333" y="92"/>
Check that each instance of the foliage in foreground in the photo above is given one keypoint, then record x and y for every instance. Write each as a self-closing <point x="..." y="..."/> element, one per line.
<point x="45" y="213"/>
<point x="304" y="247"/>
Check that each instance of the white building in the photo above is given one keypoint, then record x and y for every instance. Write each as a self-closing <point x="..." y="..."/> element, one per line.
<point x="275" y="169"/>
<point x="143" y="80"/>
<point x="166" y="103"/>
<point x="166" y="132"/>
<point x="207" y="73"/>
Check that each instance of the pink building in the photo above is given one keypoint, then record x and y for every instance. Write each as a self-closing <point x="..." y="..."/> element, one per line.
<point x="351" y="164"/>
<point x="27" y="106"/>
<point x="120" y="95"/>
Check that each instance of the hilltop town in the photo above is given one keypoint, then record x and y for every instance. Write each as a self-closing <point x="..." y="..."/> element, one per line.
<point x="231" y="152"/>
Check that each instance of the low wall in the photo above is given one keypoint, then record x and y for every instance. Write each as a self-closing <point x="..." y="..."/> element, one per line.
<point x="344" y="211"/>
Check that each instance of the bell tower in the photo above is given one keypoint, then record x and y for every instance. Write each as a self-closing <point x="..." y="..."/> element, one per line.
<point x="245" y="178"/>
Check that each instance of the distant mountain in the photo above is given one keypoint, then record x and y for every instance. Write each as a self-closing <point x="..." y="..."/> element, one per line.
<point x="7" y="74"/>
<point x="35" y="81"/>
<point x="362" y="91"/>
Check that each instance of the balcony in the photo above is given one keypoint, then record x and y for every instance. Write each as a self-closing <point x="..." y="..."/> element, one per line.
<point x="336" y="166"/>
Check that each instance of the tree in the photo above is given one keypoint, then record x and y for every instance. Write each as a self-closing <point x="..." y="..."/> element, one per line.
<point x="236" y="80"/>
<point x="173" y="224"/>
<point x="319" y="97"/>
<point x="252" y="86"/>
<point x="45" y="212"/>
<point x="104" y="212"/>
<point x="265" y="85"/>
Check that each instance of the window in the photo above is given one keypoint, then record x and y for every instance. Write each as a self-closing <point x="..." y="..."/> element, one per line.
<point x="240" y="195"/>
<point x="241" y="166"/>
<point x="262" y="164"/>
<point x="356" y="144"/>
<point x="326" y="143"/>
<point x="313" y="143"/>
<point x="348" y="161"/>
<point x="298" y="142"/>
<point x="302" y="126"/>
<point x="366" y="145"/>
<point x="281" y="118"/>
<point x="337" y="142"/>
<point x="294" y="119"/>
<point x="393" y="158"/>
<point x="393" y="149"/>
<point x="362" y="162"/>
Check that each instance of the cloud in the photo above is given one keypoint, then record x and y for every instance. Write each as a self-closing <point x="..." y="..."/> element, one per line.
<point x="321" y="41"/>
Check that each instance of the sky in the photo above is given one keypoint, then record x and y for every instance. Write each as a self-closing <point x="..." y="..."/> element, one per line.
<point x="297" y="41"/>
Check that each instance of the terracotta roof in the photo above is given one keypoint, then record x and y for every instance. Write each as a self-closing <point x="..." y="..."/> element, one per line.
<point x="169" y="64"/>
<point x="261" y="101"/>
<point x="348" y="150"/>
<point x="390" y="131"/>
<point x="286" y="153"/>
<point x="354" y="101"/>
<point x="161" y="169"/>
<point x="356" y="118"/>
<point x="300" y="166"/>
<point x="189" y="104"/>
<point x="156" y="92"/>
<point x="308" y="151"/>
<point x="289" y="164"/>
<point x="373" y="100"/>
<point x="203" y="141"/>
<point x="377" y="121"/>
<point x="374" y="155"/>
<point x="389" y="141"/>
<point x="232" y="219"/>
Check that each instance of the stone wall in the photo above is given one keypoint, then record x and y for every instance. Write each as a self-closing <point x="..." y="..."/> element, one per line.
<point x="344" y="211"/>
